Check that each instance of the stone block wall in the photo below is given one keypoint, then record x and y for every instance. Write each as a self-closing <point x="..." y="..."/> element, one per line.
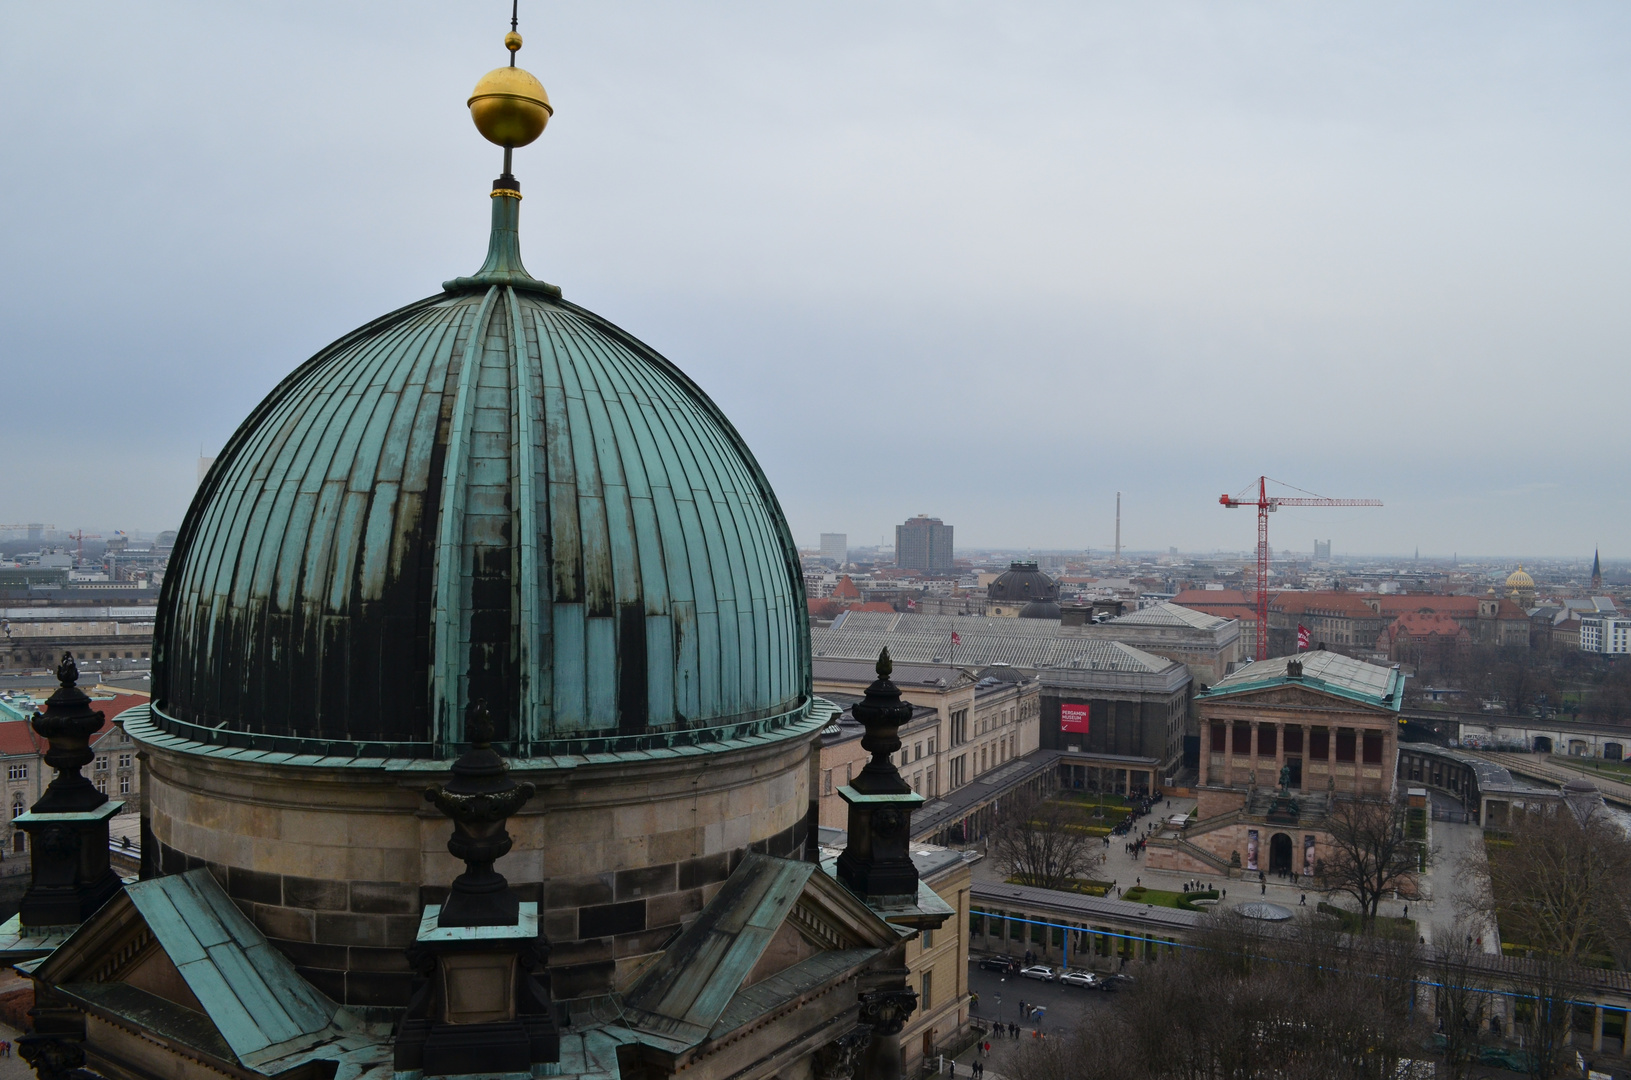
<point x="335" y="865"/>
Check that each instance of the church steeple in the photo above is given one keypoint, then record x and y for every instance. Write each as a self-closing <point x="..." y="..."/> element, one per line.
<point x="1596" y="570"/>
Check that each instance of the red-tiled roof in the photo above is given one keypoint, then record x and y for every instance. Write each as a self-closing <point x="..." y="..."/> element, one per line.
<point x="17" y="737"/>
<point x="1425" y="624"/>
<point x="1465" y="607"/>
<point x="1321" y="603"/>
<point x="846" y="590"/>
<point x="1193" y="598"/>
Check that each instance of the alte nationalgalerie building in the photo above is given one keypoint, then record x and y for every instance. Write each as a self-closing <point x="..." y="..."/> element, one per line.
<point x="1281" y="739"/>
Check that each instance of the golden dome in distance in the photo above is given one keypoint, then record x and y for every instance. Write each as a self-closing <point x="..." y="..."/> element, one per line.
<point x="1519" y="580"/>
<point x="509" y="106"/>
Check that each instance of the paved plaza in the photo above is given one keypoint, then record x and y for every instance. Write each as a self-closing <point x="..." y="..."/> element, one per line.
<point x="1437" y="913"/>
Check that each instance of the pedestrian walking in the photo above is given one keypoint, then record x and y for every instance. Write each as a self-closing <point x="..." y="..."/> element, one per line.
<point x="1265" y="888"/>
<point x="1304" y="901"/>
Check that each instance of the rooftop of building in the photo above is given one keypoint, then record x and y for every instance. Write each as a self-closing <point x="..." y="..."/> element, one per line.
<point x="1333" y="673"/>
<point x="860" y="643"/>
<point x="1168" y="613"/>
<point x="1426" y="624"/>
<point x="862" y="670"/>
<point x="845" y="727"/>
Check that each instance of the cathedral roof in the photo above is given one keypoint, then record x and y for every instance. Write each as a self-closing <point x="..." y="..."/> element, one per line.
<point x="1021" y="583"/>
<point x="491" y="493"/>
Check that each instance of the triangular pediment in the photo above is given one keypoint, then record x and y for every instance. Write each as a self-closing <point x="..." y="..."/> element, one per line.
<point x="1293" y="697"/>
<point x="174" y="956"/>
<point x="775" y="926"/>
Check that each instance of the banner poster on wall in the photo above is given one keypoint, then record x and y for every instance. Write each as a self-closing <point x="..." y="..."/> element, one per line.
<point x="1073" y="718"/>
<point x="1251" y="849"/>
<point x="1308" y="856"/>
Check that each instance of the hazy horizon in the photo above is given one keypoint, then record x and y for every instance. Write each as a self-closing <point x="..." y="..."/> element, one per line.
<point x="992" y="265"/>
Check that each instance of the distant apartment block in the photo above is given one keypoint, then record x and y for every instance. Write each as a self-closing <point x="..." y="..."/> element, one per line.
<point x="1322" y="550"/>
<point x="835" y="547"/>
<point x="923" y="543"/>
<point x="1609" y="634"/>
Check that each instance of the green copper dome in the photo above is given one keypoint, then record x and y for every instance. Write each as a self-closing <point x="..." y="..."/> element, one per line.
<point x="490" y="494"/>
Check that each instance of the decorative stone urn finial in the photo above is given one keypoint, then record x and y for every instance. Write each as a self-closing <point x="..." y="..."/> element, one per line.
<point x="882" y="713"/>
<point x="480" y="799"/>
<point x="68" y="827"/>
<point x="876" y="865"/>
<point x="480" y="1004"/>
<point x="68" y="723"/>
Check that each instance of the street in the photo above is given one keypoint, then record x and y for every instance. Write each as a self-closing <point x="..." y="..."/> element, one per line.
<point x="1000" y="996"/>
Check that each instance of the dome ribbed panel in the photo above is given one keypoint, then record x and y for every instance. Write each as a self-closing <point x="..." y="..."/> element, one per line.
<point x="305" y="538"/>
<point x="488" y="495"/>
<point x="665" y="542"/>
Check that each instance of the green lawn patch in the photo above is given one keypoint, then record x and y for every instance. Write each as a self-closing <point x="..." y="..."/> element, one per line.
<point x="1387" y="925"/>
<point x="1138" y="894"/>
<point x="1085" y="886"/>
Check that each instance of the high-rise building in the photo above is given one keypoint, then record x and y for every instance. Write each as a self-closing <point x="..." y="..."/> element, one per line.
<point x="835" y="548"/>
<point x="1322" y="549"/>
<point x="923" y="543"/>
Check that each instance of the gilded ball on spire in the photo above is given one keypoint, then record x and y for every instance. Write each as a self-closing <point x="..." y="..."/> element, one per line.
<point x="509" y="106"/>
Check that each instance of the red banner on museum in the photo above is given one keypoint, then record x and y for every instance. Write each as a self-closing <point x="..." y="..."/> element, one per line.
<point x="1073" y="718"/>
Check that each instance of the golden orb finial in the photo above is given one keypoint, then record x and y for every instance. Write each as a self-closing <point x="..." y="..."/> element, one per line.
<point x="509" y="107"/>
<point x="512" y="41"/>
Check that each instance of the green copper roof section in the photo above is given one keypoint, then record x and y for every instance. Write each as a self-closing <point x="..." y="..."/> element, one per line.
<point x="493" y="494"/>
<point x="1332" y="673"/>
<point x="503" y="265"/>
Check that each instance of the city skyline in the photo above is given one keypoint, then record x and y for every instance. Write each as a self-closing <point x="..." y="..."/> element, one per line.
<point x="1374" y="251"/>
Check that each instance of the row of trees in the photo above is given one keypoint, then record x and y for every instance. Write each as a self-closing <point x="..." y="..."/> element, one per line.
<point x="1524" y="678"/>
<point x="1248" y="1002"/>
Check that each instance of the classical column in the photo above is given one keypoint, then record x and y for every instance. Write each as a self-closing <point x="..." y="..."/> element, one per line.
<point x="1302" y="781"/>
<point x="1596" y="1029"/>
<point x="1252" y="749"/>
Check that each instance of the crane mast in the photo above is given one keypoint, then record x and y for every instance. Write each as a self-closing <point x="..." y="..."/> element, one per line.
<point x="1266" y="505"/>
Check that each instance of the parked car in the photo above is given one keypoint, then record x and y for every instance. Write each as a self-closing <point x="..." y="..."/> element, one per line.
<point x="1038" y="971"/>
<point x="1115" y="982"/>
<point x="1006" y="964"/>
<point x="1084" y="979"/>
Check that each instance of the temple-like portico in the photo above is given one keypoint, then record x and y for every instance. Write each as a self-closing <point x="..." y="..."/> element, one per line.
<point x="1281" y="739"/>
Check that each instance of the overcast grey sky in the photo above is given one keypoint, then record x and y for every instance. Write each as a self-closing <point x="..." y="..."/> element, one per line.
<point x="988" y="262"/>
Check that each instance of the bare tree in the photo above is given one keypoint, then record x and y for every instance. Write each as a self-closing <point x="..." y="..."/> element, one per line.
<point x="1461" y="999"/>
<point x="1548" y="986"/>
<point x="1037" y="843"/>
<point x="1370" y="854"/>
<point x="1557" y="883"/>
<point x="1251" y="1003"/>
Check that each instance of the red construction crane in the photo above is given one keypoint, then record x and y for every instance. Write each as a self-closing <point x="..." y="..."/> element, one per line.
<point x="1266" y="504"/>
<point x="79" y="538"/>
